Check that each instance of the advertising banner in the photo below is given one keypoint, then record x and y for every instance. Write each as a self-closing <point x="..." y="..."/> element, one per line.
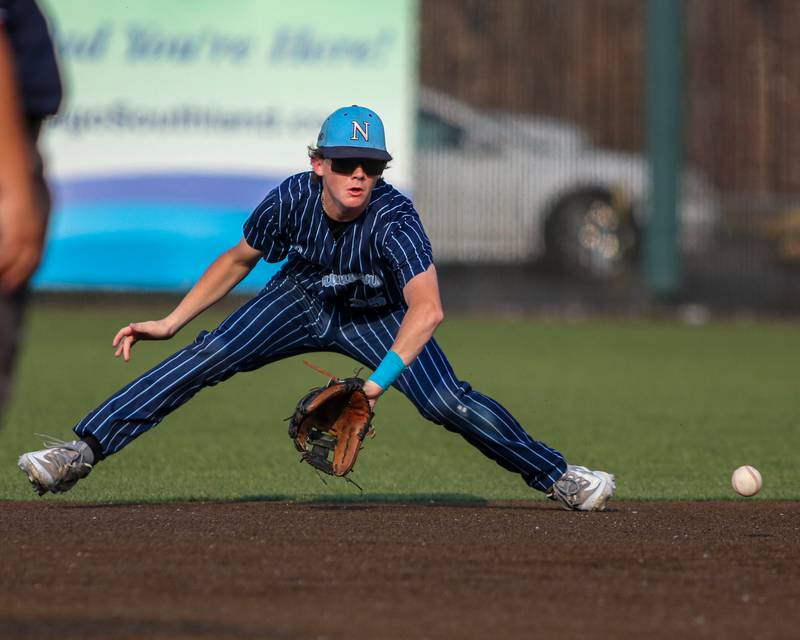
<point x="179" y="117"/>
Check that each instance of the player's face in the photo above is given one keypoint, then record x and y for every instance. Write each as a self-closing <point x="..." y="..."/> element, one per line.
<point x="347" y="184"/>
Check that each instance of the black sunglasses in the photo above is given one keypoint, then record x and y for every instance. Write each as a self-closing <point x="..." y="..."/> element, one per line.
<point x="346" y="166"/>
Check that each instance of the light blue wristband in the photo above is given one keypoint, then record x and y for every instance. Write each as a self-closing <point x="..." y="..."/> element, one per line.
<point x="388" y="370"/>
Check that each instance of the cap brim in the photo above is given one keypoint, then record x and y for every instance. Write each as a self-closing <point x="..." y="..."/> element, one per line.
<point x="355" y="152"/>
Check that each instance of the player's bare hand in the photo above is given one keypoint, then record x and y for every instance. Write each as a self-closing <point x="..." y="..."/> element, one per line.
<point x="373" y="392"/>
<point x="130" y="335"/>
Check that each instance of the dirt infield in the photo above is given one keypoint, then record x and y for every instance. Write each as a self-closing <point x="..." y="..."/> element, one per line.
<point x="258" y="570"/>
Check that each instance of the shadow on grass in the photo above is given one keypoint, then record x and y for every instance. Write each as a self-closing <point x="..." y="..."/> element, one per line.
<point x="365" y="500"/>
<point x="369" y="498"/>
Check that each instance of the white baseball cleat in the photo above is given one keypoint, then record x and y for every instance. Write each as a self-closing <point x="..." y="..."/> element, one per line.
<point x="56" y="468"/>
<point x="581" y="489"/>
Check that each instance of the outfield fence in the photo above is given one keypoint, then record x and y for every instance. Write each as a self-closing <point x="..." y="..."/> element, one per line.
<point x="532" y="143"/>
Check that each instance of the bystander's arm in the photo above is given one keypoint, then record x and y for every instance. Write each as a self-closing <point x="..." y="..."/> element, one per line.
<point x="21" y="223"/>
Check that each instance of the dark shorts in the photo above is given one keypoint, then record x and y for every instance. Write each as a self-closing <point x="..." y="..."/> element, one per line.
<point x="11" y="312"/>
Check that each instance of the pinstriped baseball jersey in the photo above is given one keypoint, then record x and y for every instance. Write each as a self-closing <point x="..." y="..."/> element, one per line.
<point x="368" y="266"/>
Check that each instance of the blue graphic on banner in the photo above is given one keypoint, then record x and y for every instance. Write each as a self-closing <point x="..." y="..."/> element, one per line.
<point x="148" y="232"/>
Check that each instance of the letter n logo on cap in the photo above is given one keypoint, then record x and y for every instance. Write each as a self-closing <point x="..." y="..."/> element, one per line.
<point x="357" y="130"/>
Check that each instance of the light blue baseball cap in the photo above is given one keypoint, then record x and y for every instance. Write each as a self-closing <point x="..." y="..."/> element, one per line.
<point x="353" y="132"/>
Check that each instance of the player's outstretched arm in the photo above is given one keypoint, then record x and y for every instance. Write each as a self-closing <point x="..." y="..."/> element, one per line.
<point x="223" y="275"/>
<point x="424" y="314"/>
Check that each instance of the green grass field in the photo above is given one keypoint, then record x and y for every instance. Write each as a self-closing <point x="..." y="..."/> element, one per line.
<point x="670" y="409"/>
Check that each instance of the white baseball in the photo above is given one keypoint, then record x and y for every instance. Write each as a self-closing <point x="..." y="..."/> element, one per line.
<point x="746" y="481"/>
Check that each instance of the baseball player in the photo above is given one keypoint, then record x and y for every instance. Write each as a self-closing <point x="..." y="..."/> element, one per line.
<point x="359" y="280"/>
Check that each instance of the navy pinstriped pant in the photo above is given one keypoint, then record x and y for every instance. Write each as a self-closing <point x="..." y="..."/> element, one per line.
<point x="283" y="321"/>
